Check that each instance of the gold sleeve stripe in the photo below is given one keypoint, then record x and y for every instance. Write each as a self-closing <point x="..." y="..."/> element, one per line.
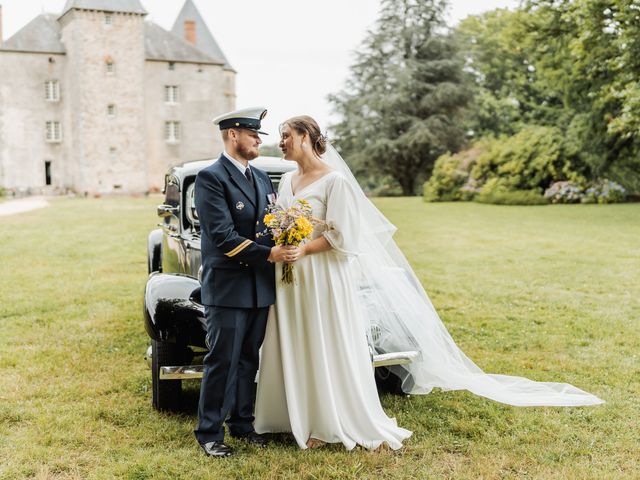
<point x="239" y="248"/>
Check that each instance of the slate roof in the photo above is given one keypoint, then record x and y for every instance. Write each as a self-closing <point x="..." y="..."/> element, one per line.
<point x="125" y="6"/>
<point x="42" y="34"/>
<point x="163" y="45"/>
<point x="204" y="40"/>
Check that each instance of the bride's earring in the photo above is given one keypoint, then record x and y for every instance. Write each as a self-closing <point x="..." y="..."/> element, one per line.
<point x="304" y="145"/>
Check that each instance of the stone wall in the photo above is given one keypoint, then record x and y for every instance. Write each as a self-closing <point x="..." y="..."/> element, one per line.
<point x="23" y="113"/>
<point x="201" y="98"/>
<point x="106" y="153"/>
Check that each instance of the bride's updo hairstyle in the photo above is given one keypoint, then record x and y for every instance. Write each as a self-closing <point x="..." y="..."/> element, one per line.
<point x="305" y="124"/>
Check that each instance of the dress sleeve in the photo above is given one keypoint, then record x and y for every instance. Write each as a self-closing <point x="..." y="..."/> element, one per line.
<point x="343" y="220"/>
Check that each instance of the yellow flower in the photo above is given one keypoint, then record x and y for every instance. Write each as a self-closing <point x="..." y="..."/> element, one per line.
<point x="269" y="218"/>
<point x="304" y="226"/>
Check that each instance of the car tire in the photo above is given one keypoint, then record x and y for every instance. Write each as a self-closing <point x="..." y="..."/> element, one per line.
<point x="166" y="393"/>
<point x="386" y="381"/>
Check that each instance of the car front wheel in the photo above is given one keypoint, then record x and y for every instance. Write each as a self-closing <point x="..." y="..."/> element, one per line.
<point x="166" y="393"/>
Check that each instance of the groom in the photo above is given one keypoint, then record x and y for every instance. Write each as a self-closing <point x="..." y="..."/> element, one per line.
<point x="237" y="281"/>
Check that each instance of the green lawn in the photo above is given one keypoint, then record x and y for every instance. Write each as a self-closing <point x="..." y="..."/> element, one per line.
<point x="552" y="293"/>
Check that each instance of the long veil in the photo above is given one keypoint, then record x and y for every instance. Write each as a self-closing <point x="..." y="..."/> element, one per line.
<point x="402" y="318"/>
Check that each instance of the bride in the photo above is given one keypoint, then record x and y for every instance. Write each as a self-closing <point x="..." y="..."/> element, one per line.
<point x="315" y="378"/>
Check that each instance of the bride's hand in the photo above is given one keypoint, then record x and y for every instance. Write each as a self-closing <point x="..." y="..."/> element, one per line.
<point x="294" y="254"/>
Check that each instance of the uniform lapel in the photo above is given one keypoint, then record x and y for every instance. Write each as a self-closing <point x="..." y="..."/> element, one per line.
<point x="261" y="191"/>
<point x="239" y="179"/>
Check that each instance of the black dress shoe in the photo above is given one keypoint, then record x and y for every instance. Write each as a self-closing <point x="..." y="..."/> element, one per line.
<point x="253" y="438"/>
<point x="216" y="449"/>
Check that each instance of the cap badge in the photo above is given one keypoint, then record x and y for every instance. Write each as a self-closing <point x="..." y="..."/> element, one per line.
<point x="237" y="124"/>
<point x="239" y="206"/>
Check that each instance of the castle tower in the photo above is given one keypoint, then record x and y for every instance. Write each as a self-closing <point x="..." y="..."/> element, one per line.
<point x="105" y="144"/>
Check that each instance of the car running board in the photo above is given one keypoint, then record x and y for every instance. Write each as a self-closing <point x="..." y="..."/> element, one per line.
<point x="185" y="372"/>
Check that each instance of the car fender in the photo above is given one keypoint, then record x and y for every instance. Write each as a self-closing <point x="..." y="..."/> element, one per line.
<point x="172" y="309"/>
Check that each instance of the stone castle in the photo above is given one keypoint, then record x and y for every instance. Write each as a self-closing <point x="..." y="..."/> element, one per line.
<point x="97" y="100"/>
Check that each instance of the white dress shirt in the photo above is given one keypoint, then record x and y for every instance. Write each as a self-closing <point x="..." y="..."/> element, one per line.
<point x="236" y="163"/>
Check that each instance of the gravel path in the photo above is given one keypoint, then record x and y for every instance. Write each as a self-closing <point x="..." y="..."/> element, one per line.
<point x="22" y="205"/>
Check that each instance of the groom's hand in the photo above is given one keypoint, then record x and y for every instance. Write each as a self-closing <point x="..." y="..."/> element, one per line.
<point x="281" y="253"/>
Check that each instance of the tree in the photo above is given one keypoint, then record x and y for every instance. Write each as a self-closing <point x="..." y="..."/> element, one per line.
<point x="403" y="103"/>
<point x="271" y="150"/>
<point x="569" y="64"/>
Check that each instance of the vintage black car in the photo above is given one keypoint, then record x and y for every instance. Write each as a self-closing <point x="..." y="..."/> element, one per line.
<point x="173" y="313"/>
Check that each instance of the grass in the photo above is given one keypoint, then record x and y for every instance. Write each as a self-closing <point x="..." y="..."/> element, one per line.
<point x="551" y="293"/>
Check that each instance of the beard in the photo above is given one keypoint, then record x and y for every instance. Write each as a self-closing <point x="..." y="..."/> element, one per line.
<point x="248" y="153"/>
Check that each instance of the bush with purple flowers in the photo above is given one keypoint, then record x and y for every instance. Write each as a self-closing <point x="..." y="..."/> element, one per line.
<point x="564" y="192"/>
<point x="605" y="191"/>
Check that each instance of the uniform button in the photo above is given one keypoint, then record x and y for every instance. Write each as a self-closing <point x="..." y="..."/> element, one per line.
<point x="258" y="222"/>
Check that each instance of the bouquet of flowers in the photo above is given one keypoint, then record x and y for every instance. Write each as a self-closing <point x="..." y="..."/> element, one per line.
<point x="291" y="226"/>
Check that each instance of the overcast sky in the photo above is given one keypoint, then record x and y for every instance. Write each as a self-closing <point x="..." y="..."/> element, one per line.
<point x="289" y="54"/>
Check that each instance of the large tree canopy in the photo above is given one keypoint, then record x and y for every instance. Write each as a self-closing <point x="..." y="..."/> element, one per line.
<point x="403" y="103"/>
<point x="569" y="64"/>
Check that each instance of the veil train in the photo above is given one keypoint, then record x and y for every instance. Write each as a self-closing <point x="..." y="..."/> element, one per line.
<point x="406" y="320"/>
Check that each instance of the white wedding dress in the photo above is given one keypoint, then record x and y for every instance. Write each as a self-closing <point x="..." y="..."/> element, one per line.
<point x="316" y="378"/>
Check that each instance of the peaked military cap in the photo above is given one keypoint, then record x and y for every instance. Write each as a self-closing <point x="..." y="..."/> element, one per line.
<point x="248" y="118"/>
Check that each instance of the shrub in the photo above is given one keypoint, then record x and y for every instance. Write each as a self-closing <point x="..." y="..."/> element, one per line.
<point x="512" y="197"/>
<point x="496" y="192"/>
<point x="450" y="179"/>
<point x="531" y="159"/>
<point x="605" y="191"/>
<point x="564" y="192"/>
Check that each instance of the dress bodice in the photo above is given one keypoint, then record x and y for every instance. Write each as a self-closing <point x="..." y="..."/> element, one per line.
<point x="316" y="193"/>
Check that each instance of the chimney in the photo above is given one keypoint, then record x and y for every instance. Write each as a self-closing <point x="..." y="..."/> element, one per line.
<point x="190" y="31"/>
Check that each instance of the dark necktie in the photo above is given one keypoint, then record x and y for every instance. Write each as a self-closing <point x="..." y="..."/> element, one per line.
<point x="247" y="173"/>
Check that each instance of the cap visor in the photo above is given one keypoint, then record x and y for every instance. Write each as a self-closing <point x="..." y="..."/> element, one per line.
<point x="262" y="133"/>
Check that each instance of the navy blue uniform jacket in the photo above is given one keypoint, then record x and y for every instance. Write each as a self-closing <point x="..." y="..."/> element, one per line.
<point x="235" y="270"/>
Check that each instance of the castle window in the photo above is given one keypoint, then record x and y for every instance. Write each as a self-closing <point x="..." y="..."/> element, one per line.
<point x="111" y="110"/>
<point x="53" y="132"/>
<point x="113" y="154"/>
<point x="108" y="19"/>
<point x="171" y="94"/>
<point x="47" y="172"/>
<point x="52" y="90"/>
<point x="110" y="67"/>
<point x="172" y="132"/>
<point x="172" y="66"/>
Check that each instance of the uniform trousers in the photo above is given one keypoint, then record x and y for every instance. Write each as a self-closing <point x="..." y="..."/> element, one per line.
<point x="228" y="383"/>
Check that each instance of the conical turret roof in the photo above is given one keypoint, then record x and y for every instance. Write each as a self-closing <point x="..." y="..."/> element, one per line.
<point x="204" y="39"/>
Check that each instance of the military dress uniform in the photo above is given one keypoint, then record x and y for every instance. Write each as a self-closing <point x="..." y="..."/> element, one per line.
<point x="238" y="286"/>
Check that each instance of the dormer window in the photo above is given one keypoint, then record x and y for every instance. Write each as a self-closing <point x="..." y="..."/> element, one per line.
<point x="108" y="19"/>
